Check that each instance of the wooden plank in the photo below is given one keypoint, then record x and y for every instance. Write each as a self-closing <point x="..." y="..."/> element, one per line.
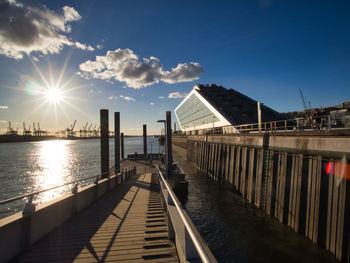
<point x="243" y="172"/>
<point x="227" y="167"/>
<point x="334" y="225"/>
<point x="259" y="173"/>
<point x="341" y="217"/>
<point x="317" y="200"/>
<point x="309" y="196"/>
<point x="232" y="165"/>
<point x="329" y="211"/>
<point x="251" y="174"/>
<point x="291" y="207"/>
<point x="238" y="166"/>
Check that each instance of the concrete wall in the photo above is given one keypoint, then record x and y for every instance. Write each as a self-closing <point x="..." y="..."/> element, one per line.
<point x="18" y="232"/>
<point x="303" y="181"/>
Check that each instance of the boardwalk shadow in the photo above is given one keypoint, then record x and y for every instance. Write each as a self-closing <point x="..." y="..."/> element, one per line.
<point x="66" y="242"/>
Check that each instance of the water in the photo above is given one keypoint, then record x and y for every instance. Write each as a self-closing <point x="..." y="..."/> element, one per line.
<point x="32" y="166"/>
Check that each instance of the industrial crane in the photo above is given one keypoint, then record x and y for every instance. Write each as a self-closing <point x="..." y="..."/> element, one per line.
<point x="70" y="131"/>
<point x="11" y="131"/>
<point x="25" y="131"/>
<point x="82" y="132"/>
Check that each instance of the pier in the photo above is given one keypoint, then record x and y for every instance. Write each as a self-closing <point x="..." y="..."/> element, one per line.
<point x="126" y="225"/>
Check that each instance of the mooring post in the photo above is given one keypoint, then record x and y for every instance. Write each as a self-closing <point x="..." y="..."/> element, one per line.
<point x="169" y="152"/>
<point x="122" y="145"/>
<point x="117" y="141"/>
<point x="145" y="140"/>
<point x="104" y="143"/>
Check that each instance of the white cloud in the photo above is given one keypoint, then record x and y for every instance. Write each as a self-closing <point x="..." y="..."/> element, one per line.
<point x="125" y="66"/>
<point x="34" y="28"/>
<point x="177" y="95"/>
<point x="70" y="14"/>
<point x="110" y="97"/>
<point x="99" y="46"/>
<point x="4" y="107"/>
<point x="151" y="103"/>
<point x="91" y="91"/>
<point x="161" y="97"/>
<point x="2" y="121"/>
<point x="127" y="98"/>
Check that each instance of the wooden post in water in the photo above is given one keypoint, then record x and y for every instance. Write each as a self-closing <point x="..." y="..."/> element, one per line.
<point x="122" y="145"/>
<point x="168" y="140"/>
<point x="117" y="141"/>
<point x="104" y="143"/>
<point x="145" y="140"/>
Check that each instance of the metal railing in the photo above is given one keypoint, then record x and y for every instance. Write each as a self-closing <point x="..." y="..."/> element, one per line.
<point x="194" y="239"/>
<point x="311" y="123"/>
<point x="75" y="183"/>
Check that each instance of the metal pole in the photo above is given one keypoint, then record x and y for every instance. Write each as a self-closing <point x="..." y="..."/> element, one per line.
<point x="104" y="143"/>
<point x="122" y="145"/>
<point x="145" y="140"/>
<point x="117" y="141"/>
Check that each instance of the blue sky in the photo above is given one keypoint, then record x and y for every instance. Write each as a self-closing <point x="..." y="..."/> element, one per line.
<point x="266" y="49"/>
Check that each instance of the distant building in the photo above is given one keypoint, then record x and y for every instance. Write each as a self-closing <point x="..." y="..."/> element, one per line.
<point x="210" y="107"/>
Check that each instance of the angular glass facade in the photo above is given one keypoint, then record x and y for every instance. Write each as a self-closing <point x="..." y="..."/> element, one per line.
<point x="194" y="113"/>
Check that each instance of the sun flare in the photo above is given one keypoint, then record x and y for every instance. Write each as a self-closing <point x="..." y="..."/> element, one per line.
<point x="53" y="95"/>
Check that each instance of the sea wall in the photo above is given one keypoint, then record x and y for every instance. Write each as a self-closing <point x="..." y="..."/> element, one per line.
<point x="303" y="181"/>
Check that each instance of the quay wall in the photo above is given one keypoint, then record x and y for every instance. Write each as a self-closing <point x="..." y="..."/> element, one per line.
<point x="18" y="232"/>
<point x="302" y="181"/>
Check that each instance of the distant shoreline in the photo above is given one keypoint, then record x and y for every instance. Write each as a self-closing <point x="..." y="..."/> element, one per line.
<point x="4" y="138"/>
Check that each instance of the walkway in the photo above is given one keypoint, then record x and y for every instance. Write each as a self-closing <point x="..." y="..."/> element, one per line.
<point x="126" y="225"/>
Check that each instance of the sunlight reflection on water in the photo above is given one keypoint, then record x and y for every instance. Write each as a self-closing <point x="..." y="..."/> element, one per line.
<point x="33" y="166"/>
<point x="53" y="168"/>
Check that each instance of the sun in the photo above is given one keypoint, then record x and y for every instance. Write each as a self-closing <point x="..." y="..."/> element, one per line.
<point x="53" y="95"/>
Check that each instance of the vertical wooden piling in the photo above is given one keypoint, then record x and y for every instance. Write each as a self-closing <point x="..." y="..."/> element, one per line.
<point x="104" y="143"/>
<point x="122" y="145"/>
<point x="117" y="141"/>
<point x="168" y="139"/>
<point x="145" y="140"/>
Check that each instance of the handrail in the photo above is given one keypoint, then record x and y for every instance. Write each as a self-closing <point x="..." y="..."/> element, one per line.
<point x="196" y="241"/>
<point x="54" y="187"/>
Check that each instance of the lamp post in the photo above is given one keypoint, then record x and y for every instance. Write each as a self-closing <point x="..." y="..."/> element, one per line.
<point x="166" y="161"/>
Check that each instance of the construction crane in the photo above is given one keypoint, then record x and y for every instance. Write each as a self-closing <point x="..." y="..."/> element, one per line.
<point x="89" y="131"/>
<point x="307" y="109"/>
<point x="11" y="131"/>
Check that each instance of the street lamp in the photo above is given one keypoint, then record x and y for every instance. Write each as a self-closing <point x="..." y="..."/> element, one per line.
<point x="165" y="147"/>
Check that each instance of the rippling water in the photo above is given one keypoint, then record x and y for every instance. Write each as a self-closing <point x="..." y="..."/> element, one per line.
<point x="32" y="166"/>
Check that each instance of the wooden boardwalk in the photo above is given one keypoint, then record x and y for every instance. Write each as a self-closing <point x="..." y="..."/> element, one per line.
<point x="126" y="225"/>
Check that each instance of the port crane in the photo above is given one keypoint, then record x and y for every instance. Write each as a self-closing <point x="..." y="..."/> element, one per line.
<point x="70" y="131"/>
<point x="82" y="131"/>
<point x="11" y="131"/>
<point x="25" y="131"/>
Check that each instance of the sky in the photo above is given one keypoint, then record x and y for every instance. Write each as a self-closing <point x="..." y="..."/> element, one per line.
<point x="62" y="61"/>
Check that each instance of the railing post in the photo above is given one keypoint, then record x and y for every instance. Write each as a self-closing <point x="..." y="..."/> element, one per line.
<point x="117" y="141"/>
<point x="104" y="141"/>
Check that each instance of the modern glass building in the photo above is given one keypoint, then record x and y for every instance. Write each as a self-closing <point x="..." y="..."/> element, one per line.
<point x="211" y="106"/>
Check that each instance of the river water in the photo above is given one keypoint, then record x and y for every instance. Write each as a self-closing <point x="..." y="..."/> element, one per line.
<point x="27" y="167"/>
